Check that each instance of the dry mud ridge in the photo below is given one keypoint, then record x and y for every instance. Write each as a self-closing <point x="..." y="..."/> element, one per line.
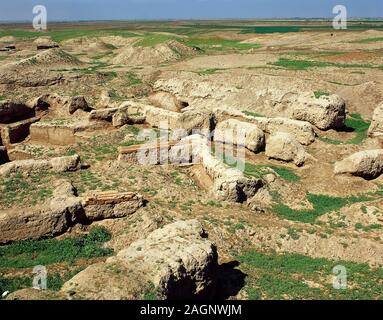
<point x="130" y="135"/>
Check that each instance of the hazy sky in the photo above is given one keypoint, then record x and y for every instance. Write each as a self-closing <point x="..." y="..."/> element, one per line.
<point x="185" y="9"/>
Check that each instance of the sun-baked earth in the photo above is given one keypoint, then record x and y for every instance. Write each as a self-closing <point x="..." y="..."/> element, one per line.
<point x="74" y="198"/>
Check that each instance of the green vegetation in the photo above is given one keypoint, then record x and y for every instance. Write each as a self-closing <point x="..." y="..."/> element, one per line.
<point x="151" y="40"/>
<point x="273" y="276"/>
<point x="19" y="188"/>
<point x="133" y="79"/>
<point x="368" y="40"/>
<point x="252" y="114"/>
<point x="289" y="28"/>
<point x="261" y="170"/>
<point x="307" y="64"/>
<point x="356" y="124"/>
<point x="151" y="293"/>
<point x="206" y="72"/>
<point x="359" y="126"/>
<point x="319" y="94"/>
<point x="29" y="253"/>
<point x="293" y="233"/>
<point x="54" y="281"/>
<point x="257" y="171"/>
<point x="96" y="66"/>
<point x="343" y="84"/>
<point x="312" y="54"/>
<point x="272" y="29"/>
<point x="368" y="228"/>
<point x="322" y="204"/>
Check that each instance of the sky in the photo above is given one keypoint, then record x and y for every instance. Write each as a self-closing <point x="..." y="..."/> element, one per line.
<point x="74" y="10"/>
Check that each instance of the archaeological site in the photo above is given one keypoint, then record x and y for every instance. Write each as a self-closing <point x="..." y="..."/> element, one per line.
<point x="185" y="159"/>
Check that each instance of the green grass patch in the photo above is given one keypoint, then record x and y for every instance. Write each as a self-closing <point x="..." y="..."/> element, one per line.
<point x="354" y="123"/>
<point x="292" y="64"/>
<point x="133" y="79"/>
<point x="257" y="171"/>
<point x="284" y="276"/>
<point x="20" y="189"/>
<point x="206" y="72"/>
<point x="272" y="29"/>
<point x="368" y="40"/>
<point x="261" y="170"/>
<point x="152" y="40"/>
<point x="252" y="114"/>
<point x="322" y="204"/>
<point x="371" y="227"/>
<point x="29" y="253"/>
<point x="319" y="94"/>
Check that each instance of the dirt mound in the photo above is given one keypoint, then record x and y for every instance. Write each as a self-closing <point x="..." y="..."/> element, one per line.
<point x="37" y="70"/>
<point x="7" y="39"/>
<point x="87" y="44"/>
<point x="362" y="98"/>
<point x="163" y="52"/>
<point x="45" y="43"/>
<point x="50" y="57"/>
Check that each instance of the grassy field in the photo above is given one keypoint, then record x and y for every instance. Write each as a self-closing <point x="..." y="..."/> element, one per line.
<point x="294" y="276"/>
<point x="24" y="255"/>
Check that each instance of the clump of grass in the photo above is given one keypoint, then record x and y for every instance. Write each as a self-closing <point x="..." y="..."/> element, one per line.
<point x="206" y="72"/>
<point x="252" y="114"/>
<point x="133" y="79"/>
<point x="29" y="253"/>
<point x="293" y="233"/>
<point x="110" y="46"/>
<point x="320" y="93"/>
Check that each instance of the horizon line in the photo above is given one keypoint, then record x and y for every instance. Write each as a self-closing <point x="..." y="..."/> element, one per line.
<point x="191" y="19"/>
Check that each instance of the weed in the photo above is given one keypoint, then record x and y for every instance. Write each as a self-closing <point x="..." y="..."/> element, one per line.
<point x="252" y="114"/>
<point x="319" y="94"/>
<point x="206" y="72"/>
<point x="133" y="79"/>
<point x="293" y="233"/>
<point x="368" y="228"/>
